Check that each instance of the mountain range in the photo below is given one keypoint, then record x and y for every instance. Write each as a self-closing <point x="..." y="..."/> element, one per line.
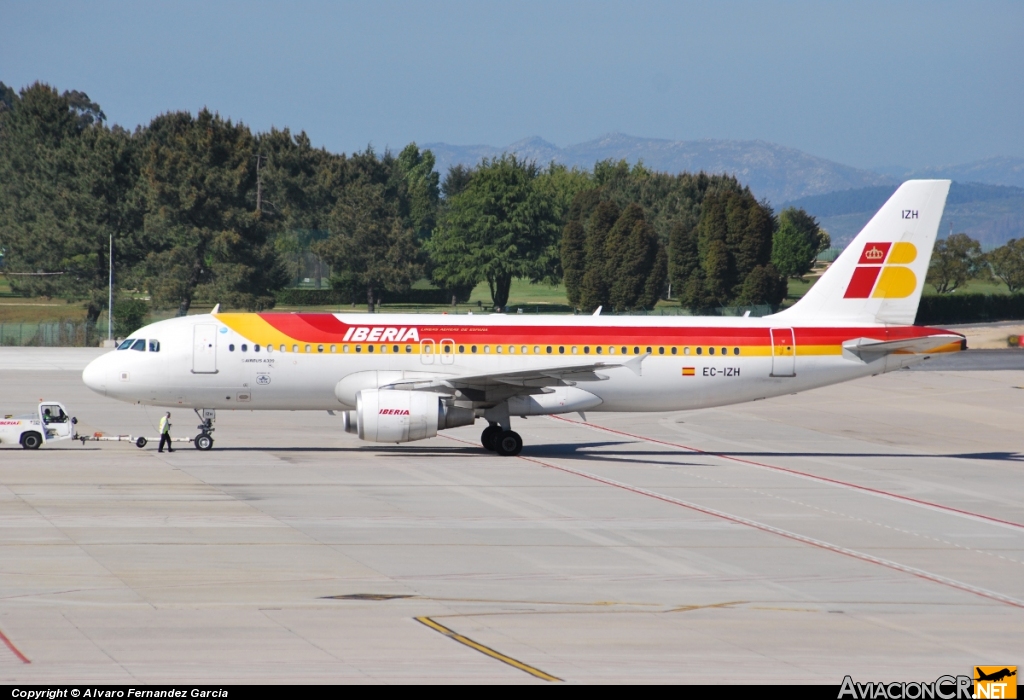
<point x="843" y="198"/>
<point x="776" y="172"/>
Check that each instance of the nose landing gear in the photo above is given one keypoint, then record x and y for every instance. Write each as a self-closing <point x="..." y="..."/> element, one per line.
<point x="204" y="440"/>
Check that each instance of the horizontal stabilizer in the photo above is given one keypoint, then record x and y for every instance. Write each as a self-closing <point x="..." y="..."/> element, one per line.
<point x="869" y="349"/>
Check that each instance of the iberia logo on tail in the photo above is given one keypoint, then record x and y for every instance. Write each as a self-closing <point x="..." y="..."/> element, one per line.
<point x="882" y="272"/>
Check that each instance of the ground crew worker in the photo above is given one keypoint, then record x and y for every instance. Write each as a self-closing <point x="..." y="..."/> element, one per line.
<point x="165" y="433"/>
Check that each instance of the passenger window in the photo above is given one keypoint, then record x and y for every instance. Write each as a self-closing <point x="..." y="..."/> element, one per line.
<point x="344" y="348"/>
<point x="384" y="348"/>
<point x="295" y="348"/>
<point x="334" y="348"/>
<point x="735" y="351"/>
<point x="472" y="348"/>
<point x="245" y="348"/>
<point x="408" y="349"/>
<point x="675" y="350"/>
<point x="308" y="348"/>
<point x="711" y="351"/>
<point x="319" y="348"/>
<point x="536" y="350"/>
<point x="725" y="351"/>
<point x="598" y="349"/>
<point x="369" y="348"/>
<point x="270" y="348"/>
<point x="686" y="351"/>
<point x="446" y="349"/>
<point x="648" y="351"/>
<point x="256" y="348"/>
<point x="636" y="351"/>
<point x="625" y="350"/>
<point x="700" y="351"/>
<point x="498" y="349"/>
<point x="231" y="348"/>
<point x="575" y="350"/>
<point x="586" y="349"/>
<point x="359" y="348"/>
<point x="126" y="344"/>
<point x="661" y="351"/>
<point x="394" y="348"/>
<point x="139" y="345"/>
<point x="284" y="348"/>
<point x="561" y="349"/>
<point x="611" y="349"/>
<point x="154" y="346"/>
<point x="462" y="348"/>
<point x="549" y="349"/>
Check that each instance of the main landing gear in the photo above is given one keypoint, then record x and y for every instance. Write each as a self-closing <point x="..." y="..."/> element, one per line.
<point x="506" y="443"/>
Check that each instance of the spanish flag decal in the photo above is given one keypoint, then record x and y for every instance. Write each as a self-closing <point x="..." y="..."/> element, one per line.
<point x="688" y="371"/>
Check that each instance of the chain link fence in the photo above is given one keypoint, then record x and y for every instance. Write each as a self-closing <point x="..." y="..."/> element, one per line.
<point x="54" y="334"/>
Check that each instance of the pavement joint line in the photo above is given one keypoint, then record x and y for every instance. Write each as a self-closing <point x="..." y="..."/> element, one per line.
<point x="764" y="527"/>
<point x="803" y="475"/>
<point x="466" y="641"/>
<point x="14" y="650"/>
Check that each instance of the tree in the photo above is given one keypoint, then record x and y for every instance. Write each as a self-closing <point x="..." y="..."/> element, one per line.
<point x="1007" y="263"/>
<point x="422" y="188"/>
<point x="955" y="260"/>
<point x="370" y="242"/>
<point x="200" y="176"/>
<point x="499" y="228"/>
<point x="574" y="259"/>
<point x="764" y="285"/>
<point x="797" y="243"/>
<point x="596" y="286"/>
<point x="635" y="262"/>
<point x="67" y="184"/>
<point x="683" y="259"/>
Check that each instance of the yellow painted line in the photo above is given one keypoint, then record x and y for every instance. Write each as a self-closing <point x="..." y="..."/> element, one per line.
<point x="486" y="650"/>
<point x="688" y="608"/>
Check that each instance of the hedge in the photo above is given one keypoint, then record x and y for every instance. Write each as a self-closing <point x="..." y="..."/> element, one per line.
<point x="339" y="297"/>
<point x="970" y="308"/>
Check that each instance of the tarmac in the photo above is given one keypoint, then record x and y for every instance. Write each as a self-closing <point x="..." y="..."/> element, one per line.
<point x="873" y="528"/>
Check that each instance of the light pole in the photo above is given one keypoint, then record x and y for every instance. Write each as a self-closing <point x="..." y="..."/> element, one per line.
<point x="110" y="293"/>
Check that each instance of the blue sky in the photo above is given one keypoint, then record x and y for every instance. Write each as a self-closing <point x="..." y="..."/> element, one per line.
<point x="863" y="83"/>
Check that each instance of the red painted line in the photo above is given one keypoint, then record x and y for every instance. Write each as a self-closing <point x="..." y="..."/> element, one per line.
<point x="14" y="649"/>
<point x="803" y="539"/>
<point x="803" y="475"/>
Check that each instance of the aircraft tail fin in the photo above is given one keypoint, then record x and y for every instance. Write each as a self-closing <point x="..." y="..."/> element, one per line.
<point x="880" y="276"/>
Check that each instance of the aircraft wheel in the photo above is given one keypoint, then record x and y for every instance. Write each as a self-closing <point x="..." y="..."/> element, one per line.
<point x="141" y="442"/>
<point x="489" y="438"/>
<point x="31" y="441"/>
<point x="509" y="444"/>
<point x="203" y="441"/>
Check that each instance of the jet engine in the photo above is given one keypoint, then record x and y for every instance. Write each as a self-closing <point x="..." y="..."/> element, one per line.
<point x="388" y="415"/>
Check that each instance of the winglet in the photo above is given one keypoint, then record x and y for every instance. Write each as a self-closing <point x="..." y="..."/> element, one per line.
<point x="597" y="312"/>
<point x="633" y="363"/>
<point x="216" y="310"/>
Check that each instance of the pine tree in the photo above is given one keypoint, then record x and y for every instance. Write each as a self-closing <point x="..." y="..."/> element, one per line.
<point x="595" y="287"/>
<point x="574" y="258"/>
<point x="631" y="248"/>
<point x="683" y="259"/>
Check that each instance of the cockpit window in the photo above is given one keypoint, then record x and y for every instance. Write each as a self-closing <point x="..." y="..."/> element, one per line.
<point x="154" y="345"/>
<point x="139" y="345"/>
<point x="125" y="344"/>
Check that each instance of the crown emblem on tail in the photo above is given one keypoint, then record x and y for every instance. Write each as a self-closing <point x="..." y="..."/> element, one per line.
<point x="874" y="253"/>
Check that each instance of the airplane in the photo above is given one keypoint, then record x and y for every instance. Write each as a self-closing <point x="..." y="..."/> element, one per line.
<point x="996" y="676"/>
<point x="397" y="378"/>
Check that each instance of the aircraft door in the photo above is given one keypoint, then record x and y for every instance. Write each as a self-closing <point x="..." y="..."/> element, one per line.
<point x="427" y="352"/>
<point x="204" y="349"/>
<point x="783" y="352"/>
<point x="447" y="351"/>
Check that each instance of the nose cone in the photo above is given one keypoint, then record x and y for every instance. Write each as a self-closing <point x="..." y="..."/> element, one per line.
<point x="95" y="375"/>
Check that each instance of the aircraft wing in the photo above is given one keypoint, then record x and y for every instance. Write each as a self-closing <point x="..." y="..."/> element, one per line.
<point x="564" y="375"/>
<point x="868" y="349"/>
